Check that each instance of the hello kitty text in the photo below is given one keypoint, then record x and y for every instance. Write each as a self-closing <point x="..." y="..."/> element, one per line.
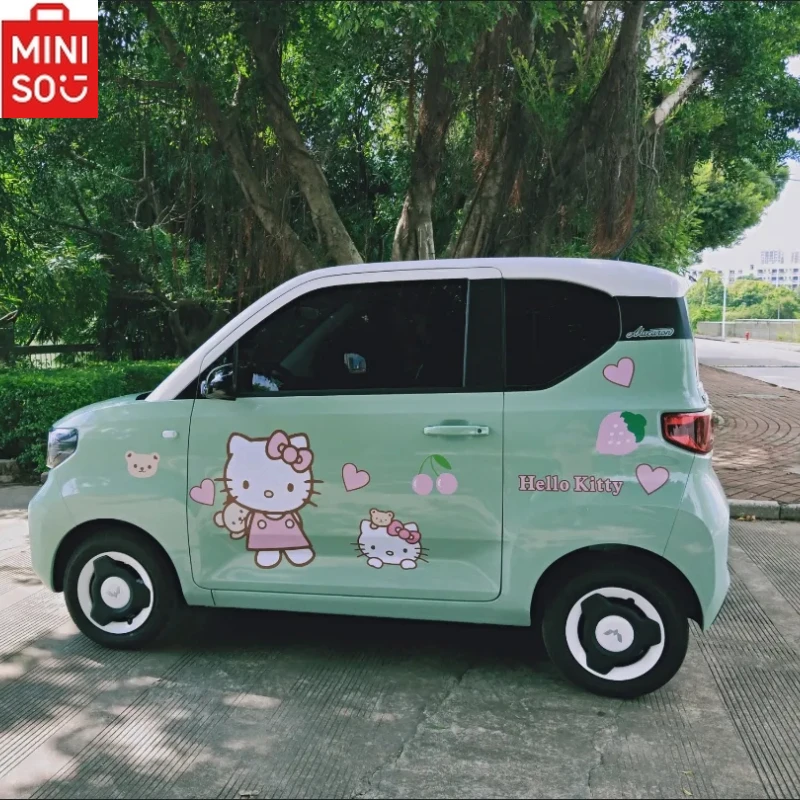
<point x="268" y="481"/>
<point x="580" y="483"/>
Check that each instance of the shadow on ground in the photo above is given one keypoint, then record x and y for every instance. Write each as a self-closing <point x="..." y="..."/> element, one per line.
<point x="236" y="702"/>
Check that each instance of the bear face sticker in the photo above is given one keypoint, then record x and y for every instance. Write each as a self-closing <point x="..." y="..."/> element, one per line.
<point x="268" y="482"/>
<point x="142" y="465"/>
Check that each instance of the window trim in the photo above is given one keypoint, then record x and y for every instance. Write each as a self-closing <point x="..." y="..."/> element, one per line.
<point x="323" y="282"/>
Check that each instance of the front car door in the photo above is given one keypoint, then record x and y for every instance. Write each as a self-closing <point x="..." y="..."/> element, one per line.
<point x="362" y="455"/>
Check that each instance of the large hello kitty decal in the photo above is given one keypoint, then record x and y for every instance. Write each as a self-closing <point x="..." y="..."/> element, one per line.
<point x="385" y="540"/>
<point x="268" y="482"/>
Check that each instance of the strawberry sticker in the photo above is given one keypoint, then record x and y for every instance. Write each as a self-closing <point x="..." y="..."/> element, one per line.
<point x="620" y="433"/>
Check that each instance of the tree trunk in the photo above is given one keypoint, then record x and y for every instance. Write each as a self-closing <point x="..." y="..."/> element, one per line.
<point x="264" y="39"/>
<point x="495" y="174"/>
<point x="226" y="129"/>
<point x="599" y="151"/>
<point x="413" y="237"/>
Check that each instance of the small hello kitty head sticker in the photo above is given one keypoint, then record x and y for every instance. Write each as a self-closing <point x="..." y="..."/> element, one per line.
<point x="142" y="465"/>
<point x="268" y="482"/>
<point x="385" y="541"/>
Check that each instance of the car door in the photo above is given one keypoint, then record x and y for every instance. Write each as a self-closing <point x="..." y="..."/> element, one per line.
<point x="362" y="454"/>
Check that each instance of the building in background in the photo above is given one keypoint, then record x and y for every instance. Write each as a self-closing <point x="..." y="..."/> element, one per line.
<point x="775" y="267"/>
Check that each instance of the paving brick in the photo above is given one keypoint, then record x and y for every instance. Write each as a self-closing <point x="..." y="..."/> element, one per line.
<point x="757" y="449"/>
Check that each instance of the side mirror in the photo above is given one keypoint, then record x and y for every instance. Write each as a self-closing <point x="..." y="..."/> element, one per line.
<point x="219" y="384"/>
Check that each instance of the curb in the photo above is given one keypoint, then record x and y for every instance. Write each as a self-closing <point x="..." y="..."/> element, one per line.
<point x="764" y="509"/>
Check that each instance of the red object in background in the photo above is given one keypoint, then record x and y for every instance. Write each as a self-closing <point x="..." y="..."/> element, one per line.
<point x="49" y="66"/>
<point x="747" y="336"/>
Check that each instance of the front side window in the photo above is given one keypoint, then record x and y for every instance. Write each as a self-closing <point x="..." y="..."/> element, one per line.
<point x="388" y="336"/>
<point x="554" y="329"/>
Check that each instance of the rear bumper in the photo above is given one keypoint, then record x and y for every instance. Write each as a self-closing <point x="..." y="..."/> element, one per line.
<point x="698" y="545"/>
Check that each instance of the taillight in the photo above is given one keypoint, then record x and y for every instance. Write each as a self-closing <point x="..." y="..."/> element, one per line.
<point x="691" y="430"/>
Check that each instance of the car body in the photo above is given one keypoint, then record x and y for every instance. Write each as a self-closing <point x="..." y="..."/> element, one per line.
<point x="447" y="440"/>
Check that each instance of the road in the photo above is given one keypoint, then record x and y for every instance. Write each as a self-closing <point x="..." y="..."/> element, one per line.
<point x="245" y="704"/>
<point x="777" y="363"/>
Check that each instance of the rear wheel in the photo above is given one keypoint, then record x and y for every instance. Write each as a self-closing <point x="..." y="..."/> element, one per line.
<point x="616" y="631"/>
<point x="119" y="590"/>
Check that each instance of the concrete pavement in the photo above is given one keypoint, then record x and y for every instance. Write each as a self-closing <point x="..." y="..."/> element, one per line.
<point x="246" y="704"/>
<point x="777" y="363"/>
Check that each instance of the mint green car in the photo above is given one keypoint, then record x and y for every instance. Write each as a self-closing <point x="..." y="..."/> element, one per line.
<point x="504" y="441"/>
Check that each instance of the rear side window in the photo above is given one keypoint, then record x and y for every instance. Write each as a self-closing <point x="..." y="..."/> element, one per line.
<point x="553" y="329"/>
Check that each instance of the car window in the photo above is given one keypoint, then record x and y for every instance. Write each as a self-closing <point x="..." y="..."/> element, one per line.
<point x="553" y="329"/>
<point x="388" y="336"/>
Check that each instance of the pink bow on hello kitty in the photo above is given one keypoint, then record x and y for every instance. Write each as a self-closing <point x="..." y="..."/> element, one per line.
<point x="279" y="448"/>
<point x="396" y="529"/>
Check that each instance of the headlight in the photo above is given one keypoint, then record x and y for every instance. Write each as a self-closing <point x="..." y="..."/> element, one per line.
<point x="61" y="444"/>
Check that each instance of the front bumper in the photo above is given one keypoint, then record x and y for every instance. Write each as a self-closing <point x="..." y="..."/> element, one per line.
<point x="48" y="523"/>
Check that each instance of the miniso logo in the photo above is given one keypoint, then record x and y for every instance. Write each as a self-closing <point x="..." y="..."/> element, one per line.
<point x="48" y="59"/>
<point x="652" y="333"/>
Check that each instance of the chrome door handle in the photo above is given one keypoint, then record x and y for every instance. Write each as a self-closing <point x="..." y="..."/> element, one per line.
<point x="456" y="430"/>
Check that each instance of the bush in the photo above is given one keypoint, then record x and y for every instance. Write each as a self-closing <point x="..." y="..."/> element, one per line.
<point x="31" y="400"/>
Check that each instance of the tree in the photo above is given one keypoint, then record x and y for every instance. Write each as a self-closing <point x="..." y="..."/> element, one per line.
<point x="334" y="132"/>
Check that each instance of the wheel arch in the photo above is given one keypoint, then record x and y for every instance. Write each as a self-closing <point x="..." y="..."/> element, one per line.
<point x="78" y="535"/>
<point x="588" y="558"/>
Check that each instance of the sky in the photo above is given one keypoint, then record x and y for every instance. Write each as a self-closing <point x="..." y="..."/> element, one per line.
<point x="779" y="228"/>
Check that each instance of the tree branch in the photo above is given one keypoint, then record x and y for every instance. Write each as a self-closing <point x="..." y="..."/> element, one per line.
<point x="227" y="132"/>
<point x="261" y="31"/>
<point x="671" y="102"/>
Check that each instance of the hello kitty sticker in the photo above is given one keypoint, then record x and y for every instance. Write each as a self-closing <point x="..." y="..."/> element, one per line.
<point x="385" y="541"/>
<point x="268" y="482"/>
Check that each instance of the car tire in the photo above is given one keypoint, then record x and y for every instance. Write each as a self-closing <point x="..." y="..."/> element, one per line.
<point x="616" y="631"/>
<point x="120" y="590"/>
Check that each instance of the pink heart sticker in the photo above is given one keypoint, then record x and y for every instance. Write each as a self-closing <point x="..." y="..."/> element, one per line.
<point x="651" y="480"/>
<point x="354" y="478"/>
<point x="620" y="373"/>
<point x="204" y="493"/>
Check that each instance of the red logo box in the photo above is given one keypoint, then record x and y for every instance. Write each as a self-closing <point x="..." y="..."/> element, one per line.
<point x="49" y="66"/>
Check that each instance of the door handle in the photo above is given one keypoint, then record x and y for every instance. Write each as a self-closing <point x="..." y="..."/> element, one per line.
<point x="456" y="430"/>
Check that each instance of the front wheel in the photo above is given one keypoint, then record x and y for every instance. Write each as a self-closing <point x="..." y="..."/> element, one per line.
<point x="119" y="590"/>
<point x="616" y="632"/>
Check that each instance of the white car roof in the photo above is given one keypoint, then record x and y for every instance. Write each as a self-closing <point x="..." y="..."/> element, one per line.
<point x="617" y="278"/>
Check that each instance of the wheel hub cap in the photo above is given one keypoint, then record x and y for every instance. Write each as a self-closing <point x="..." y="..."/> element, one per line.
<point x="117" y="592"/>
<point x="615" y="633"/>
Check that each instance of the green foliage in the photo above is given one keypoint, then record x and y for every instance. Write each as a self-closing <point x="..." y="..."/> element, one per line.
<point x="727" y="205"/>
<point x="132" y="230"/>
<point x="747" y="299"/>
<point x="31" y="400"/>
